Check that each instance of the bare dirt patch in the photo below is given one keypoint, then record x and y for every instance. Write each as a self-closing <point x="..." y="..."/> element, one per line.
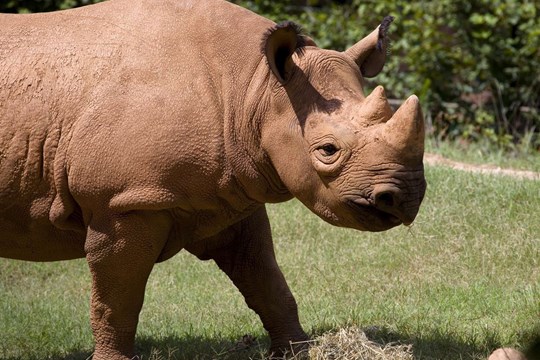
<point x="434" y="159"/>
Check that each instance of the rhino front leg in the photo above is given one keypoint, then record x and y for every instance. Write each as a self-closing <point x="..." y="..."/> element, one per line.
<point x="250" y="263"/>
<point x="121" y="251"/>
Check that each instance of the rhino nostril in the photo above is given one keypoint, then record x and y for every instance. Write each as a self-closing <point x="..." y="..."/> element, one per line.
<point x="385" y="199"/>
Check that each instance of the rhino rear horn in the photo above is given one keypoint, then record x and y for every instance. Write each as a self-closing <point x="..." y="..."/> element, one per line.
<point x="375" y="108"/>
<point x="279" y="44"/>
<point x="370" y="52"/>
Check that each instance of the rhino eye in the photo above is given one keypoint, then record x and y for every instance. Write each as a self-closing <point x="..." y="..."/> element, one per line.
<point x="328" y="149"/>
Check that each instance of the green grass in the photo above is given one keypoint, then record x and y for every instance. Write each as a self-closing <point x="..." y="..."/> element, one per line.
<point x="460" y="282"/>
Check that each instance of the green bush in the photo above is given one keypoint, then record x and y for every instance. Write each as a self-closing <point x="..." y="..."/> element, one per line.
<point x="30" y="6"/>
<point x="474" y="64"/>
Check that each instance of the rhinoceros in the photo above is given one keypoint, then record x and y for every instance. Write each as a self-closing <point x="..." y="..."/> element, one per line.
<point x="133" y="129"/>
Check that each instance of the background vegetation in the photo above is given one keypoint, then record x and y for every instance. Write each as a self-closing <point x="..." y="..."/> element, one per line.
<point x="474" y="64"/>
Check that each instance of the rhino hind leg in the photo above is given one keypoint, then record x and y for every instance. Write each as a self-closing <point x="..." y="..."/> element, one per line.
<point x="121" y="251"/>
<point x="250" y="263"/>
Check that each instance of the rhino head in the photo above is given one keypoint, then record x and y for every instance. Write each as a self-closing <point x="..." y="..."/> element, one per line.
<point x="347" y="157"/>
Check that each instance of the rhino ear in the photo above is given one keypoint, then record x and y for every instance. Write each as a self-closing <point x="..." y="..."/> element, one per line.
<point x="370" y="52"/>
<point x="279" y="44"/>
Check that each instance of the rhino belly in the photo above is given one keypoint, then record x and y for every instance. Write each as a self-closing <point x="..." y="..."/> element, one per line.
<point x="38" y="241"/>
<point x="26" y="233"/>
<point x="26" y="195"/>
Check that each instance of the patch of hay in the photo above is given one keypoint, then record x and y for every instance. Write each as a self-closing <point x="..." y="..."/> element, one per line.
<point x="353" y="344"/>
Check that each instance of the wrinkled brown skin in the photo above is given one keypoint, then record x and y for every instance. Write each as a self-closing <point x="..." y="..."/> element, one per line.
<point x="132" y="129"/>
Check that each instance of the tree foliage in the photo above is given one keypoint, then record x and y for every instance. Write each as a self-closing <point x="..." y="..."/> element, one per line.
<point x="474" y="64"/>
<point x="30" y="6"/>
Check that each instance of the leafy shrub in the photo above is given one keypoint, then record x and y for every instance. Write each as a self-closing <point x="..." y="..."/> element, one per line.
<point x="474" y="64"/>
<point x="29" y="6"/>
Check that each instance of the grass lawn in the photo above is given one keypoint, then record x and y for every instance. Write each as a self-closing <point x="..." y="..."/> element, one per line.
<point x="460" y="282"/>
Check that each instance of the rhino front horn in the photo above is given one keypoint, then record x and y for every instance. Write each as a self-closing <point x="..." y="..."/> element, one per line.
<point x="405" y="130"/>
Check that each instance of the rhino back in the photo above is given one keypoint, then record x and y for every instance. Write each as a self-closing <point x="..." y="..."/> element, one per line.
<point x="168" y="108"/>
<point x="98" y="89"/>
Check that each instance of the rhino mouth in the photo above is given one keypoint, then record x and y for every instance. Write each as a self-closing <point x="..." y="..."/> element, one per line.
<point x="373" y="219"/>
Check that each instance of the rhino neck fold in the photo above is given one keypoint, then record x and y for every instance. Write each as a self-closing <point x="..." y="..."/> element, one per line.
<point x="252" y="168"/>
<point x="250" y="163"/>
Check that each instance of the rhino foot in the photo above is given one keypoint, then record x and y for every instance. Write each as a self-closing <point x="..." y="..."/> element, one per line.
<point x="295" y="349"/>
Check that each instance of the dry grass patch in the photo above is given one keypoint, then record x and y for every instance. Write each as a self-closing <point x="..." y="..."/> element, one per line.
<point x="353" y="343"/>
